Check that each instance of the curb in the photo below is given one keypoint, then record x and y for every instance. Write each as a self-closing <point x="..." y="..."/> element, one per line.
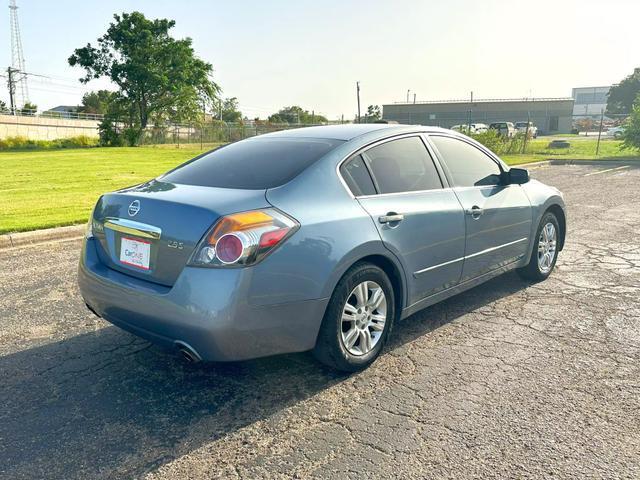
<point x="531" y="164"/>
<point x="38" y="236"/>
<point x="577" y="161"/>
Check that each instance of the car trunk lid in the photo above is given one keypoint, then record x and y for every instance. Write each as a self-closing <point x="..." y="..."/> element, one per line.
<point x="150" y="231"/>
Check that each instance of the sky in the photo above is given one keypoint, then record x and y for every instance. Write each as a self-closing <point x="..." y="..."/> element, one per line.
<point x="271" y="54"/>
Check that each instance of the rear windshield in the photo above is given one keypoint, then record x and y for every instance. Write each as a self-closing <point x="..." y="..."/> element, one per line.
<point x="255" y="164"/>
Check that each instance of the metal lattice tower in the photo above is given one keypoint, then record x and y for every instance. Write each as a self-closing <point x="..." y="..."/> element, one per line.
<point x="17" y="56"/>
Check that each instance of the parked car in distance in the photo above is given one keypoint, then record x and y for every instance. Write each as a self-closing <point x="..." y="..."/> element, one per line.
<point x="527" y="127"/>
<point x="615" y="132"/>
<point x="470" y="128"/>
<point x="480" y="127"/>
<point x="317" y="238"/>
<point x="504" y="128"/>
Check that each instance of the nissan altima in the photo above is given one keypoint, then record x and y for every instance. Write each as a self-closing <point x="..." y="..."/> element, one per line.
<point x="318" y="238"/>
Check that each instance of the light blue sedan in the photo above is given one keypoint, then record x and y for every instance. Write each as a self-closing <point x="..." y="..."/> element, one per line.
<point x="316" y="239"/>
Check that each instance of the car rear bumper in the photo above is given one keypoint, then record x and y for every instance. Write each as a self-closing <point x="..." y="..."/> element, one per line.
<point x="210" y="310"/>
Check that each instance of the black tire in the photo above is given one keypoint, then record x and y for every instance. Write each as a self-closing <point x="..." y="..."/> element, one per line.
<point x="330" y="348"/>
<point x="532" y="270"/>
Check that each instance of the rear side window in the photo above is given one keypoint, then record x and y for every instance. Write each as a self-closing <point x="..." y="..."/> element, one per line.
<point x="357" y="177"/>
<point x="469" y="166"/>
<point x="255" y="164"/>
<point x="402" y="165"/>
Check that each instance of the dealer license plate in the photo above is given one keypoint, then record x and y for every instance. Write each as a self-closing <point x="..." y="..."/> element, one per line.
<point x="135" y="253"/>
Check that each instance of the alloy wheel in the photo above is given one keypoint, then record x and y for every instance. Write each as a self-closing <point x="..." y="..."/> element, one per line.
<point x="363" y="318"/>
<point x="547" y="247"/>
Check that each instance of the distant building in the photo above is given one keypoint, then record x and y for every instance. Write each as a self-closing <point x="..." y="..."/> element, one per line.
<point x="65" y="111"/>
<point x="589" y="101"/>
<point x="550" y="115"/>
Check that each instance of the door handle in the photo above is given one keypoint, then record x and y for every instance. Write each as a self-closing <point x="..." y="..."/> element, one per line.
<point x="391" y="217"/>
<point x="474" y="211"/>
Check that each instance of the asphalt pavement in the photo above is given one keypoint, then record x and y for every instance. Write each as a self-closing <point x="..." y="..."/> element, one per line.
<point x="508" y="380"/>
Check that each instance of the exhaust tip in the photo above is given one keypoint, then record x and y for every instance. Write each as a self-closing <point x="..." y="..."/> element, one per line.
<point x="188" y="352"/>
<point x="188" y="356"/>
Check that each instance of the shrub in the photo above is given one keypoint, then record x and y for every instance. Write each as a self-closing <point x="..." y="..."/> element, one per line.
<point x="500" y="144"/>
<point x="113" y="135"/>
<point x="24" y="143"/>
<point x="109" y="135"/>
<point x="490" y="139"/>
<point x="631" y="133"/>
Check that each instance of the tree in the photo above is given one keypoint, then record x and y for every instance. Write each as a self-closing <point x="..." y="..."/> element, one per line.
<point x="296" y="115"/>
<point x="158" y="76"/>
<point x="29" y="109"/>
<point x="631" y="133"/>
<point x="98" y="101"/>
<point x="623" y="95"/>
<point x="3" y="106"/>
<point x="230" y="112"/>
<point x="373" y="114"/>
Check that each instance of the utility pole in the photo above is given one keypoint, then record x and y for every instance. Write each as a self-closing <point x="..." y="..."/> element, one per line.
<point x="408" y="95"/>
<point x="414" y="98"/>
<point x="469" y="118"/>
<point x="600" y="131"/>
<point x="526" y="132"/>
<point x="12" y="90"/>
<point x="358" y="94"/>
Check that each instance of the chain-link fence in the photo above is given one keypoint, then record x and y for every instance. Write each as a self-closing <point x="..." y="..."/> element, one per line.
<point x="218" y="132"/>
<point x="550" y="116"/>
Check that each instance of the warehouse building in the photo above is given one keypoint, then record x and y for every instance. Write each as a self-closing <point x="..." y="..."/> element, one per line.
<point x="590" y="101"/>
<point x="550" y="115"/>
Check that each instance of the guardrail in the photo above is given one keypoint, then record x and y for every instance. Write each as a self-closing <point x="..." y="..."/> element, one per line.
<point x="53" y="114"/>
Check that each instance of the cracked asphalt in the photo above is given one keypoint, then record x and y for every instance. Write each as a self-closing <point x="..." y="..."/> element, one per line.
<point x="508" y="380"/>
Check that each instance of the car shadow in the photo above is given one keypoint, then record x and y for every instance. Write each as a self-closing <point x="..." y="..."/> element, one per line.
<point x="107" y="404"/>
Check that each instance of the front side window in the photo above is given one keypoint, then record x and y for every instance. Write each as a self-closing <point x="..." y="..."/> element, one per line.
<point x="468" y="165"/>
<point x="402" y="165"/>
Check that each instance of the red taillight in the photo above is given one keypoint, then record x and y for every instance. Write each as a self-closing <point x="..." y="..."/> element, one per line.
<point x="229" y="248"/>
<point x="243" y="238"/>
<point x="271" y="239"/>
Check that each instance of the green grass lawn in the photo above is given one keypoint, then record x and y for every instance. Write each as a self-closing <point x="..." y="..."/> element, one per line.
<point x="50" y="188"/>
<point x="582" y="148"/>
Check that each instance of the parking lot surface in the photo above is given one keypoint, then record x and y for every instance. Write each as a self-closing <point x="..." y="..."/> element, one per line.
<point x="508" y="380"/>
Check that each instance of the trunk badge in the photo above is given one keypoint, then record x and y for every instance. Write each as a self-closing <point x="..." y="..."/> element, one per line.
<point x="175" y="244"/>
<point x="134" y="208"/>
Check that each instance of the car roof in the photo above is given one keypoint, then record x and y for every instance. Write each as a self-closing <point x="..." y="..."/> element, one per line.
<point x="348" y="131"/>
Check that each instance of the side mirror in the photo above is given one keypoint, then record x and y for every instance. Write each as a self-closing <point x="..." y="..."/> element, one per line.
<point x="517" y="176"/>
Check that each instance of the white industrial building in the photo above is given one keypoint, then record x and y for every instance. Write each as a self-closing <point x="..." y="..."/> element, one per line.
<point x="589" y="101"/>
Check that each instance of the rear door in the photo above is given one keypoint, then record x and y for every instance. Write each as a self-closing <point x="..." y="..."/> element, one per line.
<point x="418" y="217"/>
<point x="497" y="216"/>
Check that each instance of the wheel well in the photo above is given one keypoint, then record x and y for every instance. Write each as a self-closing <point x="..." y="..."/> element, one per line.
<point x="394" y="276"/>
<point x="562" y="223"/>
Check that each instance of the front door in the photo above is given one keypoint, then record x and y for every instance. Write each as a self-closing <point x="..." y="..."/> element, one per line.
<point x="497" y="216"/>
<point x="418" y="219"/>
